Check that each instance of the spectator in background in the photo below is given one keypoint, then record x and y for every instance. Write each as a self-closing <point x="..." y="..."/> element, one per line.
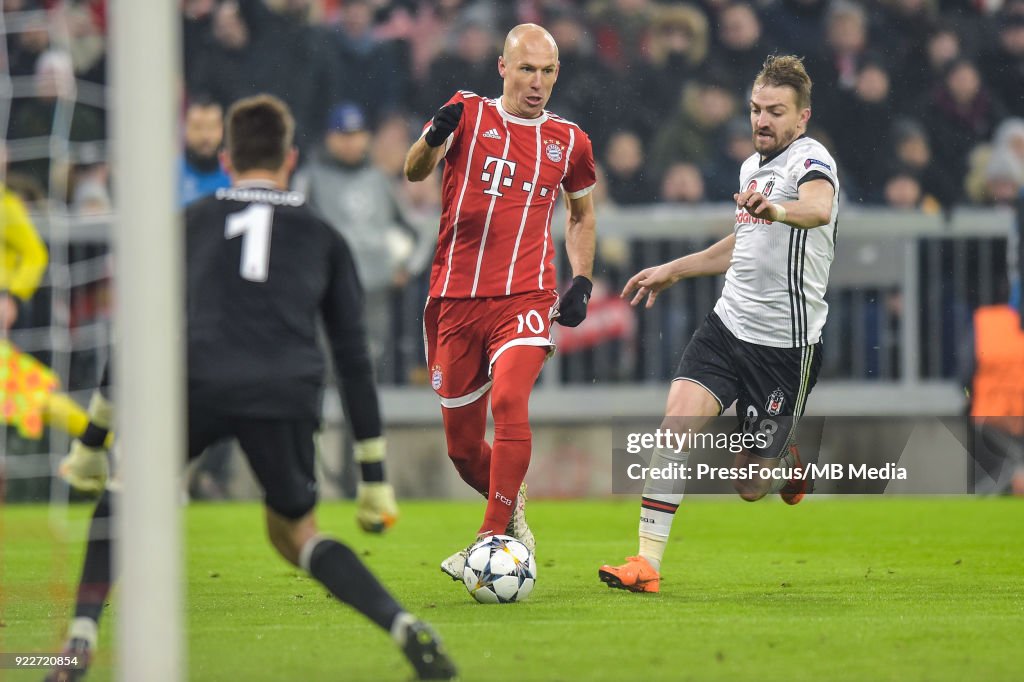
<point x="390" y="143"/>
<point x="421" y="201"/>
<point x="902" y="27"/>
<point x="90" y="181"/>
<point x="37" y="117"/>
<point x="622" y="28"/>
<point x="367" y="70"/>
<point x="1010" y="136"/>
<point x="626" y="169"/>
<point x="902" y="191"/>
<point x="200" y="172"/>
<point x="996" y="172"/>
<point x="359" y="201"/>
<point x="697" y="130"/>
<point x="1003" y="63"/>
<point x="835" y="70"/>
<point x="797" y="25"/>
<point x="863" y="117"/>
<point x="25" y="47"/>
<point x="962" y="114"/>
<point x="256" y="50"/>
<point x="683" y="184"/>
<point x="424" y="26"/>
<point x="87" y="44"/>
<point x="677" y="48"/>
<point x="914" y="156"/>
<point x="742" y="46"/>
<point x="470" y="66"/>
<point x="1004" y="178"/>
<point x="197" y="34"/>
<point x="923" y="69"/>
<point x="583" y="79"/>
<point x="722" y="172"/>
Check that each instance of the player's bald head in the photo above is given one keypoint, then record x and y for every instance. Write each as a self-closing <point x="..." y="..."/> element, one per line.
<point x="531" y="37"/>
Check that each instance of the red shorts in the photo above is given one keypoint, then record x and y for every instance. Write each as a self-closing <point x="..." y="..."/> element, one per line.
<point x="464" y="337"/>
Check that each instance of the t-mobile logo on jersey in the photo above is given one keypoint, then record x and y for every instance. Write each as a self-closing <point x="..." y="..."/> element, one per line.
<point x="498" y="177"/>
<point x="501" y="498"/>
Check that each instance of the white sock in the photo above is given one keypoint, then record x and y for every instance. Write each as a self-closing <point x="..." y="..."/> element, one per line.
<point x="84" y="628"/>
<point x="652" y="548"/>
<point x="787" y="461"/>
<point x="398" y="627"/>
<point x="658" y="505"/>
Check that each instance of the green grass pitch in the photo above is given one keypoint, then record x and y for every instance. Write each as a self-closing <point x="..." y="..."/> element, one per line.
<point x="833" y="589"/>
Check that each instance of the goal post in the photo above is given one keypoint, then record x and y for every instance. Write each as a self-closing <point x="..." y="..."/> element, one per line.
<point x="149" y="340"/>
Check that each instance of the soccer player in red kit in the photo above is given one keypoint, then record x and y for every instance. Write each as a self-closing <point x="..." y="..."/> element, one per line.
<point x="487" y="323"/>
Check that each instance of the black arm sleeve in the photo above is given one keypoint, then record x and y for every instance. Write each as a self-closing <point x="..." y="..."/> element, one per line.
<point x="342" y="311"/>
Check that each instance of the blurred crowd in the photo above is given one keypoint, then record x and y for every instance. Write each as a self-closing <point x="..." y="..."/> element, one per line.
<point x="922" y="101"/>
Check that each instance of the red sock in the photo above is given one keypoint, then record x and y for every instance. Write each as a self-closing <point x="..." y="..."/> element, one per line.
<point x="514" y="374"/>
<point x="464" y="429"/>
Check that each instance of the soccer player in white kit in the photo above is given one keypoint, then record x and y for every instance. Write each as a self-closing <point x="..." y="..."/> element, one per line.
<point x="761" y="346"/>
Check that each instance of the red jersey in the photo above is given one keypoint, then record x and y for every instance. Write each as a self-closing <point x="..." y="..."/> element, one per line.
<point x="501" y="182"/>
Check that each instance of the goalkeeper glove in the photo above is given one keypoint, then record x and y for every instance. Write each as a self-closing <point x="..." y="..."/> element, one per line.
<point x="572" y="308"/>
<point x="85" y="468"/>
<point x="446" y="120"/>
<point x="376" y="509"/>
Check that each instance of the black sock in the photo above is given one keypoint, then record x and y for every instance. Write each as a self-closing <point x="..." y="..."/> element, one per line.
<point x="372" y="472"/>
<point x="94" y="586"/>
<point x="345" y="576"/>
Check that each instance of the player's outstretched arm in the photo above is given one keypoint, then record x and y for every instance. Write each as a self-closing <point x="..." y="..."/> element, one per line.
<point x="650" y="282"/>
<point x="426" y="152"/>
<point x="342" y="312"/>
<point x="812" y="209"/>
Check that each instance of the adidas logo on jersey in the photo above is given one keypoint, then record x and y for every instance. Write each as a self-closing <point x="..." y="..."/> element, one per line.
<point x="492" y="134"/>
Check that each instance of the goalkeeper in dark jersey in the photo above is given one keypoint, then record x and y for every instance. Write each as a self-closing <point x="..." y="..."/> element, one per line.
<point x="262" y="271"/>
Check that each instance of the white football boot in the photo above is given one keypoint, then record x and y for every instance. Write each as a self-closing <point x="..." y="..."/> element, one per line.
<point x="517" y="526"/>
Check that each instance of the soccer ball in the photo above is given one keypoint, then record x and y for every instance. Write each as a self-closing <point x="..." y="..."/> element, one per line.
<point x="500" y="569"/>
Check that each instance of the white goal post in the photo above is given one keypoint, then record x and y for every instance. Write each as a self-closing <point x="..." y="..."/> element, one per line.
<point x="148" y="352"/>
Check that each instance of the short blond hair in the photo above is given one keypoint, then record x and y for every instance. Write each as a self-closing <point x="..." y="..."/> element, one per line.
<point x="786" y="71"/>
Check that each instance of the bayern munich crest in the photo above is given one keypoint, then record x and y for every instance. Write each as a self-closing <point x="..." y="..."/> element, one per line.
<point x="554" y="151"/>
<point x="435" y="377"/>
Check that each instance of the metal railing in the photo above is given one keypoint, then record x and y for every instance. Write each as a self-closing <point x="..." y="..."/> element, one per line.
<point x="901" y="291"/>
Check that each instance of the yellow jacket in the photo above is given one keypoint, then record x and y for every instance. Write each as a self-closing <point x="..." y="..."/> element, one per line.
<point x="24" y="254"/>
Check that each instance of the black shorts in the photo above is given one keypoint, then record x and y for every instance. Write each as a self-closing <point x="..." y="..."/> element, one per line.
<point x="281" y="453"/>
<point x="769" y="385"/>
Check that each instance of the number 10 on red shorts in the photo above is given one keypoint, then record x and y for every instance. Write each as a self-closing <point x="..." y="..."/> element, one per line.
<point x="465" y="336"/>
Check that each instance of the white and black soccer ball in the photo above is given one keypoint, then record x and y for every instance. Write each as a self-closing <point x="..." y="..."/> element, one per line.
<point x="499" y="570"/>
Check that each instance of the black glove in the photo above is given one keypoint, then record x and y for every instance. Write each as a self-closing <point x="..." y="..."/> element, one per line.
<point x="446" y="120"/>
<point x="572" y="308"/>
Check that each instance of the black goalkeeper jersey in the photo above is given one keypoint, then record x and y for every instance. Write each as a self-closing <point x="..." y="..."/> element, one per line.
<point x="262" y="269"/>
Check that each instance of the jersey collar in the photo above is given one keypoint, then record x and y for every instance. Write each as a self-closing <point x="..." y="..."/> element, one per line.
<point x="261" y="184"/>
<point x="767" y="159"/>
<point x="520" y="121"/>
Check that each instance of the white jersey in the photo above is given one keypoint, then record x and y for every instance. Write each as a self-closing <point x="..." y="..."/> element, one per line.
<point x="774" y="292"/>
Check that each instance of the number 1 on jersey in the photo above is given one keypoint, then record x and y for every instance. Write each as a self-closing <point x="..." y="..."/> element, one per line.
<point x="254" y="225"/>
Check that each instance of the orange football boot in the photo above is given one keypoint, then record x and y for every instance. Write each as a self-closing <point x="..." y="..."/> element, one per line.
<point x="636" y="575"/>
<point x="796" y="488"/>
